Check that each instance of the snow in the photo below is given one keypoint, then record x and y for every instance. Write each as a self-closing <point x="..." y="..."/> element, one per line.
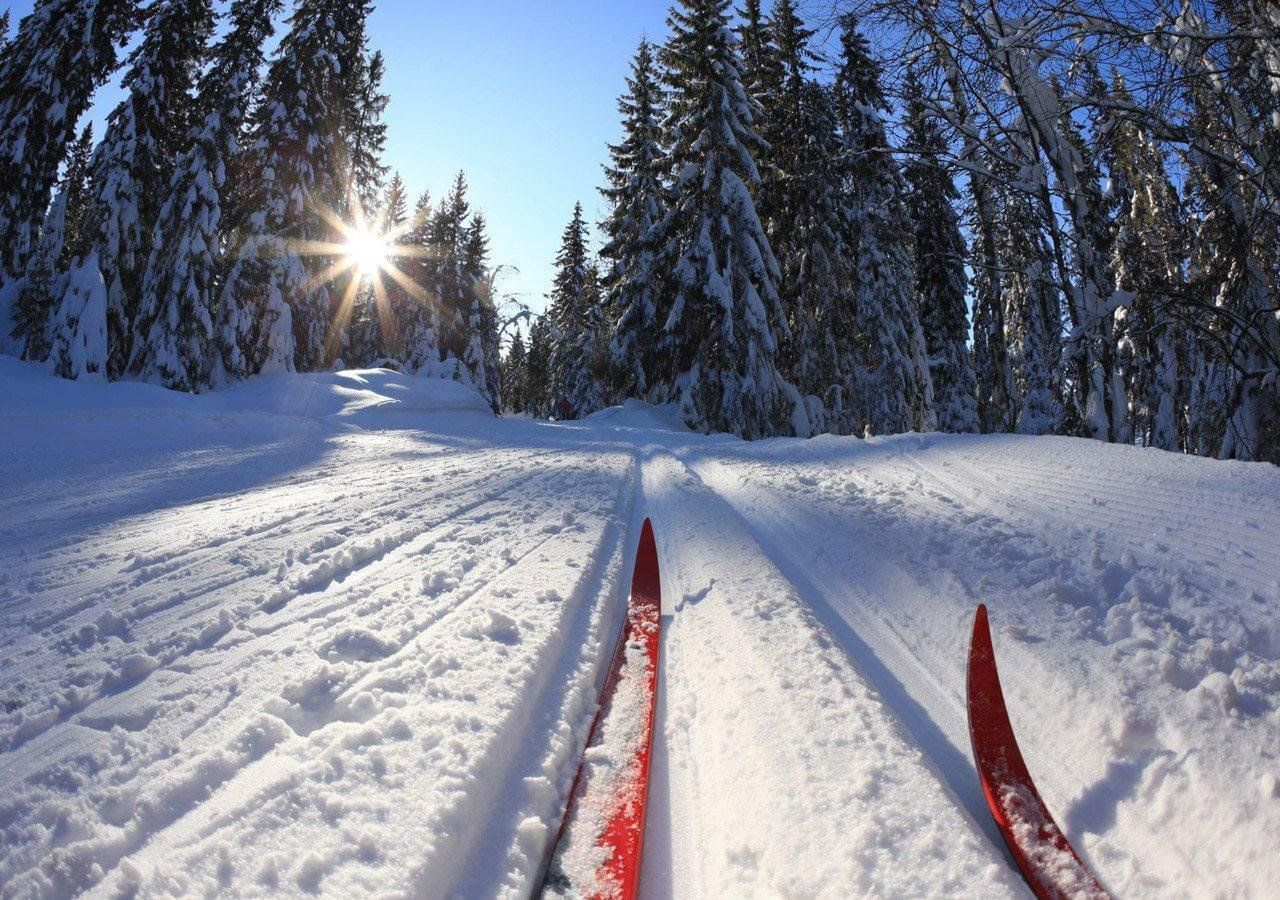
<point x="343" y="634"/>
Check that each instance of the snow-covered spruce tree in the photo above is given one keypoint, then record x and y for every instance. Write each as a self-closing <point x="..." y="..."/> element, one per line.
<point x="759" y="66"/>
<point x="44" y="283"/>
<point x="280" y="307"/>
<point x="514" y="375"/>
<point x="537" y="383"/>
<point x="591" y="393"/>
<point x="134" y="165"/>
<point x="446" y="279"/>
<point x="635" y="191"/>
<point x="809" y="220"/>
<point x="940" y="255"/>
<point x="894" y="386"/>
<point x="481" y="358"/>
<point x="178" y="313"/>
<point x="1032" y="309"/>
<point x="1149" y="258"/>
<point x="78" y="333"/>
<point x="721" y="331"/>
<point x="63" y="50"/>
<point x="573" y="323"/>
<point x="416" y="307"/>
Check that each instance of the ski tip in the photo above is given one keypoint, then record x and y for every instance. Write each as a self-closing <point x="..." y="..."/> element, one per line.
<point x="981" y="638"/>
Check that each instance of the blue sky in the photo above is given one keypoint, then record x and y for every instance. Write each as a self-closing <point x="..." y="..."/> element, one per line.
<point x="519" y="93"/>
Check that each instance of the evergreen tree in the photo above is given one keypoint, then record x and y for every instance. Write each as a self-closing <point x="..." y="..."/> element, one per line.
<point x="721" y="346"/>
<point x="63" y="50"/>
<point x="416" y="306"/>
<point x="515" y="372"/>
<point x="893" y="383"/>
<point x="134" y="165"/>
<point x="395" y="209"/>
<point x="759" y="66"/>
<point x="537" y="382"/>
<point x="283" y="302"/>
<point x="809" y="221"/>
<point x="78" y="185"/>
<point x="941" y="281"/>
<point x="637" y="196"/>
<point x="179" y="312"/>
<point x="571" y="373"/>
<point x="366" y="140"/>
<point x="1031" y="306"/>
<point x="79" y="346"/>
<point x="44" y="281"/>
<point x="447" y="281"/>
<point x="481" y="358"/>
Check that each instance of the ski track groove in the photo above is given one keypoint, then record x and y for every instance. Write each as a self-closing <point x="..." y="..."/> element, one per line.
<point x="345" y="579"/>
<point x="459" y="525"/>
<point x="835" y="695"/>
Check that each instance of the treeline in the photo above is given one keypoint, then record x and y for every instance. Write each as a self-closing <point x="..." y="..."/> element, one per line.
<point x="208" y="236"/>
<point x="788" y="252"/>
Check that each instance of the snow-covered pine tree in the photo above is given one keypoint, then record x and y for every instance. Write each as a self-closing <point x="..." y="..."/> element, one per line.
<point x="894" y="386"/>
<point x="808" y="219"/>
<point x="78" y="347"/>
<point x="43" y="281"/>
<point x="45" y="278"/>
<point x="721" y="362"/>
<point x="940" y="258"/>
<point x="635" y="191"/>
<point x="77" y="181"/>
<point x="537" y="382"/>
<point x="283" y="302"/>
<point x="1032" y="308"/>
<point x="571" y="373"/>
<point x="1149" y="258"/>
<point x="481" y="358"/>
<point x="133" y="167"/>
<point x="759" y="66"/>
<point x="515" y="372"/>
<point x="63" y="50"/>
<point x="591" y="392"/>
<point x="179" y="312"/>
<point x="415" y="304"/>
<point x="446" y="281"/>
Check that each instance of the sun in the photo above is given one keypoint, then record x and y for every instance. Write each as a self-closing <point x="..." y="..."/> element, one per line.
<point x="366" y="251"/>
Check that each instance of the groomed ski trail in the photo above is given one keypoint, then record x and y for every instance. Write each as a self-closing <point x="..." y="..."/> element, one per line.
<point x="765" y="724"/>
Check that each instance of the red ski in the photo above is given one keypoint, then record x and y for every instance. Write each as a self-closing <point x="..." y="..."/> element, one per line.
<point x="601" y="840"/>
<point x="1048" y="862"/>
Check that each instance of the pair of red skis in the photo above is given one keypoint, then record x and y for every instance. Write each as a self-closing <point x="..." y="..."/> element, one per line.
<point x="612" y="807"/>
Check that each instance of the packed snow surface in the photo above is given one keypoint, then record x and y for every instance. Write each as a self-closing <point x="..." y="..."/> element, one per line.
<point x="344" y="633"/>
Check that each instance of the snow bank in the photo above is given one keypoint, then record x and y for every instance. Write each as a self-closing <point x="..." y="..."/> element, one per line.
<point x="367" y="398"/>
<point x="360" y="397"/>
